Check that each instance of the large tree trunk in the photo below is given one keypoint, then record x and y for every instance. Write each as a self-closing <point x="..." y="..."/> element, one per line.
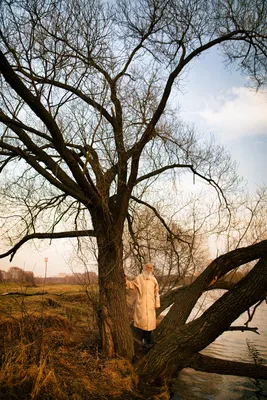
<point x="115" y="328"/>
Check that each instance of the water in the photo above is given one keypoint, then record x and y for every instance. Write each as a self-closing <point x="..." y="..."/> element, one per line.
<point x="237" y="346"/>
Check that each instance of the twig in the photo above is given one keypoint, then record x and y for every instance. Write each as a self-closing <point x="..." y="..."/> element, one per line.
<point x="243" y="328"/>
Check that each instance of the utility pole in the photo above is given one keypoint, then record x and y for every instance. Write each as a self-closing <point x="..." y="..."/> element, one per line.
<point x="46" y="261"/>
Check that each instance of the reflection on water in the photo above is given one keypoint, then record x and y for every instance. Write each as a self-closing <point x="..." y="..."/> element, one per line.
<point x="237" y="346"/>
<point x="192" y="385"/>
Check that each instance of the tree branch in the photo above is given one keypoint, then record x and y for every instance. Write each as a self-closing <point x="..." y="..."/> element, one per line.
<point x="170" y="297"/>
<point x="34" y="103"/>
<point x="12" y="122"/>
<point x="217" y="268"/>
<point x="54" y="235"/>
<point x="73" y="90"/>
<point x="219" y="366"/>
<point x="160" y="218"/>
<point x="190" y="166"/>
<point x="163" y="169"/>
<point x="172" y="77"/>
<point x="59" y="179"/>
<point x="243" y="328"/>
<point x="221" y="284"/>
<point x="138" y="254"/>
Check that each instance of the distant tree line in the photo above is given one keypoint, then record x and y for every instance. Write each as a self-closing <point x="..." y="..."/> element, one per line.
<point x="15" y="274"/>
<point x="86" y="278"/>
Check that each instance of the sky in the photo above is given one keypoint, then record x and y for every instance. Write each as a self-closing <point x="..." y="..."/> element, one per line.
<point x="218" y="101"/>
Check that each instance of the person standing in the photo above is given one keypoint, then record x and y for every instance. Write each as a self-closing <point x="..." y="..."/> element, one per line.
<point x="147" y="288"/>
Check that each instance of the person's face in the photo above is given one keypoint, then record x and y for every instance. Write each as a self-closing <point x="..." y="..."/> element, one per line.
<point x="149" y="268"/>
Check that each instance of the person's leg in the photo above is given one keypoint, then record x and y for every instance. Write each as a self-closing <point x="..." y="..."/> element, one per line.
<point x="149" y="337"/>
<point x="144" y="338"/>
<point x="139" y="333"/>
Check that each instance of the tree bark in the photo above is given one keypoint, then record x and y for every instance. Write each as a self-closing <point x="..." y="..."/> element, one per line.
<point x="115" y="328"/>
<point x="23" y="294"/>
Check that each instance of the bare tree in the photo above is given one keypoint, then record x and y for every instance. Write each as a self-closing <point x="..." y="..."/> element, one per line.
<point x="87" y="124"/>
<point x="178" y="252"/>
<point x="248" y="223"/>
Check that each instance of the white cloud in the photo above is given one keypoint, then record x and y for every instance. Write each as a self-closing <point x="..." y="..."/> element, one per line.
<point x="239" y="112"/>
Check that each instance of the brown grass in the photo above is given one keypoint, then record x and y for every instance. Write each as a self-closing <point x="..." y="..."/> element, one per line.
<point x="50" y="349"/>
<point x="49" y="346"/>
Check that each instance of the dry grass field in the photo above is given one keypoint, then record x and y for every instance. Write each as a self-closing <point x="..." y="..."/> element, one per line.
<point x="49" y="347"/>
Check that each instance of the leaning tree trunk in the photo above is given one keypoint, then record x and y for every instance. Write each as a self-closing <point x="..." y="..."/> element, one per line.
<point x="179" y="345"/>
<point x="115" y="329"/>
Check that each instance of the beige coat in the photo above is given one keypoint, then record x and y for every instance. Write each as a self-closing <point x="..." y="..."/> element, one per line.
<point x="147" y="301"/>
